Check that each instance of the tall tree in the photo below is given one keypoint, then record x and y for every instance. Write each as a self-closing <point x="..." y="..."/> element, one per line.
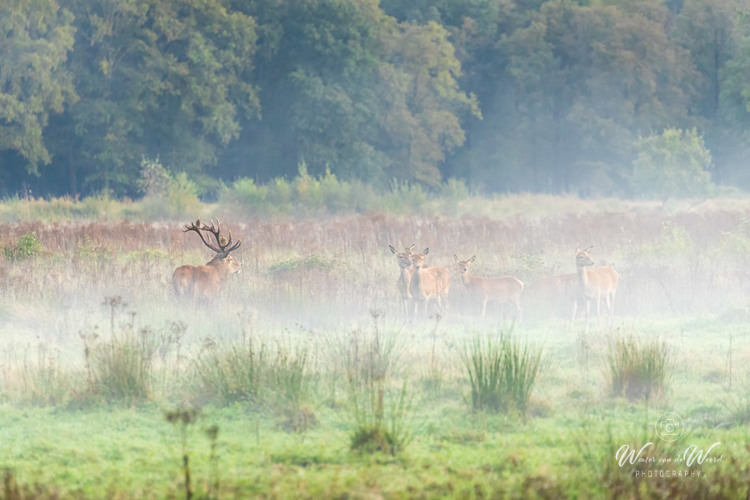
<point x="166" y="78"/>
<point x="578" y="85"/>
<point x="35" y="40"/>
<point x="346" y="87"/>
<point x="712" y="33"/>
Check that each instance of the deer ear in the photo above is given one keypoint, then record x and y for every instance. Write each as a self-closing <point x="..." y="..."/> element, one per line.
<point x="426" y="250"/>
<point x="589" y="248"/>
<point x="578" y="250"/>
<point x="393" y="250"/>
<point x="455" y="258"/>
<point x="473" y="258"/>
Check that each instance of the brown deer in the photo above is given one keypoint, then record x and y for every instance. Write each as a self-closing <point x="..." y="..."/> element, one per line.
<point x="503" y="289"/>
<point x="428" y="282"/>
<point x="595" y="284"/>
<point x="203" y="282"/>
<point x="404" y="278"/>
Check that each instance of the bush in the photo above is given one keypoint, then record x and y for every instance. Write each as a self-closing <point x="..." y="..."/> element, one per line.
<point x="379" y="408"/>
<point x="27" y="246"/>
<point x="225" y="374"/>
<point x="674" y="163"/>
<point x="121" y="368"/>
<point x="637" y="369"/>
<point x="167" y="195"/>
<point x="502" y="372"/>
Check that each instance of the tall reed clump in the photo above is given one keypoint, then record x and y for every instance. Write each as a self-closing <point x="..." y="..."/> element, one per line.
<point x="380" y="405"/>
<point x="229" y="373"/>
<point x="121" y="367"/>
<point x="287" y="379"/>
<point x="637" y="369"/>
<point x="502" y="371"/>
<point x="44" y="382"/>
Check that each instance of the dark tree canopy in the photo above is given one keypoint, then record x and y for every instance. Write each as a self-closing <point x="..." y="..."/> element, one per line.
<point x="508" y="95"/>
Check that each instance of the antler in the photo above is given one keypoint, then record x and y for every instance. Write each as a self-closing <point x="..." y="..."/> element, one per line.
<point x="216" y="231"/>
<point x="224" y="245"/>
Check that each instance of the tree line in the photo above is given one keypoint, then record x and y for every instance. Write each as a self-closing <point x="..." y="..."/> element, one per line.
<point x="594" y="97"/>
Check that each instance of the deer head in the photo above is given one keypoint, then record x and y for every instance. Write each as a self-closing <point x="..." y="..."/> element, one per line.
<point x="417" y="259"/>
<point x="223" y="246"/>
<point x="463" y="265"/>
<point x="583" y="258"/>
<point x="404" y="258"/>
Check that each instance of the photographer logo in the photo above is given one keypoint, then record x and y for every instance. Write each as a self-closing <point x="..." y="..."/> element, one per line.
<point x="669" y="427"/>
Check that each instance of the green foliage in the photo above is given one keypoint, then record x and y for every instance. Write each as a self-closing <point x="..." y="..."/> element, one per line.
<point x="165" y="80"/>
<point x="26" y="247"/>
<point x="35" y="80"/>
<point x="225" y="374"/>
<point x="636" y="368"/>
<point x="45" y="382"/>
<point x="674" y="163"/>
<point x="514" y="96"/>
<point x="502" y="371"/>
<point x="166" y="195"/>
<point x="121" y="369"/>
<point x="380" y="409"/>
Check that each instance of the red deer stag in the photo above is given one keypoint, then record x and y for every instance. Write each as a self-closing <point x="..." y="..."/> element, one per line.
<point x="595" y="284"/>
<point x="203" y="282"/>
<point x="503" y="289"/>
<point x="428" y="282"/>
<point x="404" y="263"/>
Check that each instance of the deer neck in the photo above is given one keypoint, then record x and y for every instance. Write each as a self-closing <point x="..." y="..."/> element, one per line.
<point x="416" y="280"/>
<point x="583" y="278"/>
<point x="406" y="274"/>
<point x="219" y="265"/>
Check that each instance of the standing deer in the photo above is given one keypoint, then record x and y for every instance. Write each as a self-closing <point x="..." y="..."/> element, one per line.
<point x="404" y="278"/>
<point x="428" y="282"/>
<point x="503" y="289"/>
<point x="595" y="284"/>
<point x="203" y="282"/>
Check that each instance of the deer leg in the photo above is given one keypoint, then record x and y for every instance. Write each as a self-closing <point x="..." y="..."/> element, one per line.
<point x="598" y="309"/>
<point x="517" y="302"/>
<point x="588" y="310"/>
<point x="484" y="306"/>
<point x="611" y="304"/>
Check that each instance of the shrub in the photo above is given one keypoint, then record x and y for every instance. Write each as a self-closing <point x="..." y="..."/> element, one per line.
<point x="225" y="374"/>
<point x="379" y="408"/>
<point x="674" y="163"/>
<point x="502" y="372"/>
<point x="121" y="368"/>
<point x="637" y="369"/>
<point x="27" y="246"/>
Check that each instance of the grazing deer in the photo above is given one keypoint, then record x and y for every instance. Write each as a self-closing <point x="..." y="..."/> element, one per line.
<point x="203" y="282"/>
<point x="595" y="284"/>
<point x="503" y="289"/>
<point x="428" y="282"/>
<point x="404" y="263"/>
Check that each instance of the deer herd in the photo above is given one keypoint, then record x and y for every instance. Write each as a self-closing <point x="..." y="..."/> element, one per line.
<point x="418" y="284"/>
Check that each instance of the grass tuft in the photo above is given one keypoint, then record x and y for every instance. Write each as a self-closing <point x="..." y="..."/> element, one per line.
<point x="637" y="369"/>
<point x="502" y="371"/>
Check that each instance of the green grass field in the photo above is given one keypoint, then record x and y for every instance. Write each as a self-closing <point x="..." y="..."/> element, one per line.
<point x="309" y="382"/>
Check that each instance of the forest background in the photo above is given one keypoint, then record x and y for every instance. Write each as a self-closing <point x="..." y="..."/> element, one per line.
<point x="626" y="98"/>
